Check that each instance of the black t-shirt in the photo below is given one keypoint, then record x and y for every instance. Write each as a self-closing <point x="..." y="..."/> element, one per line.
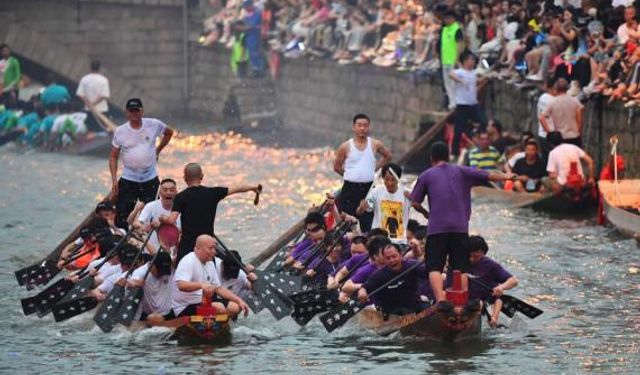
<point x="502" y="143"/>
<point x="535" y="171"/>
<point x="197" y="206"/>
<point x="403" y="293"/>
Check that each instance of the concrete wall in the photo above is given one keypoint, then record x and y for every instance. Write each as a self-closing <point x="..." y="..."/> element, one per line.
<point x="324" y="96"/>
<point x="142" y="41"/>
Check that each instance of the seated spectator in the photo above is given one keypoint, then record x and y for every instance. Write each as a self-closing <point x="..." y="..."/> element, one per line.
<point x="498" y="140"/>
<point x="530" y="170"/>
<point x="484" y="156"/>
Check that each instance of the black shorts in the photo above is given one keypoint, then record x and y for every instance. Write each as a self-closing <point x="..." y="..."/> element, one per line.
<point x="349" y="199"/>
<point x="223" y="301"/>
<point x="455" y="245"/>
<point x="189" y="310"/>
<point x="129" y="192"/>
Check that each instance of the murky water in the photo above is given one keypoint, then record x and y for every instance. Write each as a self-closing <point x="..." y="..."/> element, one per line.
<point x="584" y="277"/>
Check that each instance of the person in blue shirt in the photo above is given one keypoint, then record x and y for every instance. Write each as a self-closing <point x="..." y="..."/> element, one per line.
<point x="54" y="94"/>
<point x="253" y="40"/>
<point x="30" y="121"/>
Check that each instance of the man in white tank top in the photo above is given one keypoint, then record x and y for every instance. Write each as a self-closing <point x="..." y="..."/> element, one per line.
<point x="356" y="163"/>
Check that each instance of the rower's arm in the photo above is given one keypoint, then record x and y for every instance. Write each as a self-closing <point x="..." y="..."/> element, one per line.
<point x="590" y="165"/>
<point x="350" y="287"/>
<point x="341" y="274"/>
<point x="171" y="219"/>
<point x="511" y="283"/>
<point x="341" y="156"/>
<point x="227" y="294"/>
<point x="189" y="286"/>
<point x="499" y="176"/>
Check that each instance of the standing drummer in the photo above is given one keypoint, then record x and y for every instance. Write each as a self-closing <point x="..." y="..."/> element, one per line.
<point x="356" y="162"/>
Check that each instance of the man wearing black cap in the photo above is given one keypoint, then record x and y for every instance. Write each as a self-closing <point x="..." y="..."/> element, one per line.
<point x="156" y="300"/>
<point x="136" y="141"/>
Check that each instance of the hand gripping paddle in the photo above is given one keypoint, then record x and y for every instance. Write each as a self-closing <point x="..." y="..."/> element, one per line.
<point x="168" y="235"/>
<point x="105" y="317"/>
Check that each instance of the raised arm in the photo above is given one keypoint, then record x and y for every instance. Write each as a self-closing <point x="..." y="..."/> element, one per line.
<point x="591" y="166"/>
<point x="242" y="189"/>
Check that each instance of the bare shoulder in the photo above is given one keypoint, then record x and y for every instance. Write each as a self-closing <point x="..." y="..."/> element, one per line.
<point x="344" y="147"/>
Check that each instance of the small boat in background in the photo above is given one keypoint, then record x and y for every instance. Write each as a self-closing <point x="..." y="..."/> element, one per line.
<point x="621" y="204"/>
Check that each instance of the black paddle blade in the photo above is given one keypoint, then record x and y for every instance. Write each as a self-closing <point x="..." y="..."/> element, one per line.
<point x="22" y="275"/>
<point x="305" y="295"/>
<point x="43" y="301"/>
<point x="512" y="304"/>
<point x="254" y="303"/>
<point x="79" y="290"/>
<point x="283" y="283"/>
<point x="130" y="306"/>
<point x="10" y="136"/>
<point x="277" y="303"/>
<point x="278" y="260"/>
<point x="322" y="301"/>
<point x="105" y="317"/>
<point x="337" y="317"/>
<point x="67" y="310"/>
<point x="42" y="275"/>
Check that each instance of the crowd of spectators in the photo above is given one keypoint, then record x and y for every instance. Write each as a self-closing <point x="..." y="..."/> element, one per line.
<point x="592" y="44"/>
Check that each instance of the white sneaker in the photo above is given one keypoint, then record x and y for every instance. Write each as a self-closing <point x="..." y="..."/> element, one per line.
<point x="535" y="77"/>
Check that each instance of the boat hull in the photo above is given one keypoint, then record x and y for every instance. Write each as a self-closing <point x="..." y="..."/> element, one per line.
<point x="429" y="324"/>
<point x="199" y="330"/>
<point x="557" y="203"/>
<point x="621" y="205"/>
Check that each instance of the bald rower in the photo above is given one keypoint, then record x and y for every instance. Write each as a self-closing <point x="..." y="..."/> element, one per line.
<point x="196" y="275"/>
<point x="196" y="206"/>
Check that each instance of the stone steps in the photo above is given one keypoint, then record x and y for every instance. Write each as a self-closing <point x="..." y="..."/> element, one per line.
<point x="253" y="100"/>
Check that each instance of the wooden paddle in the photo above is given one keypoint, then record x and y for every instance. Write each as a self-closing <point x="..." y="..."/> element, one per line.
<point x="256" y="200"/>
<point x="340" y="315"/>
<point x="264" y="293"/>
<point x="511" y="304"/>
<point x="168" y="236"/>
<point x="105" y="317"/>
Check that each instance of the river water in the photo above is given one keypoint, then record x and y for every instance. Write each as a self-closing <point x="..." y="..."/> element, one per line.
<point x="586" y="278"/>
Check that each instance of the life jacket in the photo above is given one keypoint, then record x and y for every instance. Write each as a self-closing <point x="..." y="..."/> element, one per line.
<point x="83" y="261"/>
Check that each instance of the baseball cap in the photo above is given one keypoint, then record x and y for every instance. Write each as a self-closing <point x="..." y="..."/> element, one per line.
<point x="134" y="103"/>
<point x="105" y="205"/>
<point x="127" y="253"/>
<point x="163" y="263"/>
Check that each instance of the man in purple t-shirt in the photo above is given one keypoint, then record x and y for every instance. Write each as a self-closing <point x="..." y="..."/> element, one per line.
<point x="490" y="273"/>
<point x="376" y="261"/>
<point x="358" y="249"/>
<point x="448" y="188"/>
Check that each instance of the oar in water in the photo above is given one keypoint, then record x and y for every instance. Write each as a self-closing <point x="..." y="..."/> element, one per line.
<point x="50" y="270"/>
<point x="340" y="315"/>
<point x="309" y="303"/>
<point x="168" y="236"/>
<point x="278" y="260"/>
<point x="76" y="301"/>
<point x="511" y="304"/>
<point x="264" y="293"/>
<point x="43" y="301"/>
<point x="29" y="274"/>
<point x="105" y="317"/>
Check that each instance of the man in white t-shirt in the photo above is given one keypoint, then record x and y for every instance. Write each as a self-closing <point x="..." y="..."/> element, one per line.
<point x="466" y="99"/>
<point x="156" y="305"/>
<point x="151" y="214"/>
<point x="543" y="103"/>
<point x="629" y="29"/>
<point x="93" y="89"/>
<point x="135" y="141"/>
<point x="196" y="275"/>
<point x="390" y="205"/>
<point x="561" y="158"/>
<point x="126" y="255"/>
